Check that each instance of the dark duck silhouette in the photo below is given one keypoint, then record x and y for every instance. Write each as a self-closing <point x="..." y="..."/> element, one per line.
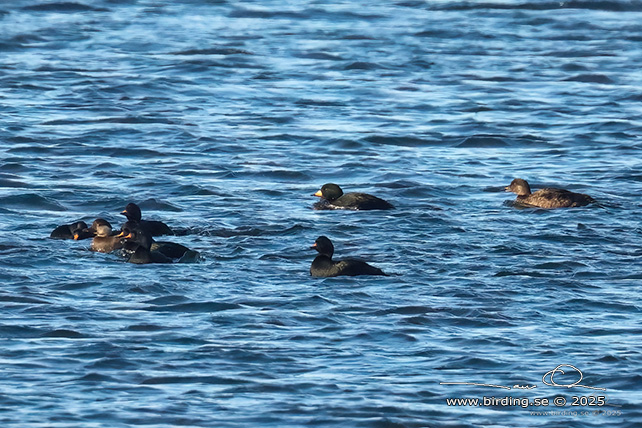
<point x="154" y="227"/>
<point x="104" y="240"/>
<point x="67" y="231"/>
<point x="140" y="241"/>
<point x="171" y="250"/>
<point x="547" y="197"/>
<point x="323" y="265"/>
<point x="333" y="198"/>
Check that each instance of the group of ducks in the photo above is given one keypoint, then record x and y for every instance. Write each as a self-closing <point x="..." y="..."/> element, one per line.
<point x="136" y="242"/>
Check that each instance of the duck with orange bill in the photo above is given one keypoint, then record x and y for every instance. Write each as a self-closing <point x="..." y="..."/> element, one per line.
<point x="68" y="231"/>
<point x="134" y="236"/>
<point x="104" y="240"/>
<point x="333" y="198"/>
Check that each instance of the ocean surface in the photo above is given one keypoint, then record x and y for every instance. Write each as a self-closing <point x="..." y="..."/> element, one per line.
<point x="222" y="118"/>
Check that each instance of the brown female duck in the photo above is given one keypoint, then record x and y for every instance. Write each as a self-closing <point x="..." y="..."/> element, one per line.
<point x="547" y="197"/>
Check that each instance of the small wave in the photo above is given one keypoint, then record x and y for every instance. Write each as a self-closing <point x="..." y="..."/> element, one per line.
<point x="21" y="299"/>
<point x="167" y="300"/>
<point x="135" y="120"/>
<point x="321" y="103"/>
<point x="406" y="310"/>
<point x="213" y="51"/>
<point x="521" y="273"/>
<point x="266" y="14"/>
<point x="601" y="305"/>
<point x="404" y="141"/>
<point x="15" y="331"/>
<point x="279" y="120"/>
<point x="69" y="334"/>
<point x="13" y="184"/>
<point x="322" y="56"/>
<point x="276" y="174"/>
<point x="605" y="5"/>
<point x="590" y="78"/>
<point x="196" y="307"/>
<point x="146" y="327"/>
<point x="613" y="358"/>
<point x="27" y="38"/>
<point x="418" y="320"/>
<point x="31" y="201"/>
<point x="442" y="33"/>
<point x="216" y="380"/>
<point x="571" y="53"/>
<point x="157" y="205"/>
<point x="117" y="152"/>
<point x="14" y="165"/>
<point x="356" y="37"/>
<point x="574" y="67"/>
<point x="228" y="233"/>
<point x="97" y="377"/>
<point x="468" y="363"/>
<point x="483" y="141"/>
<point x="363" y="65"/>
<point x="64" y="7"/>
<point x="563" y="265"/>
<point x="80" y="285"/>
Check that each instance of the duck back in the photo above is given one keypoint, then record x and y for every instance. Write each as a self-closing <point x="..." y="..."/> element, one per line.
<point x="323" y="267"/>
<point x="169" y="249"/>
<point x="66" y="231"/>
<point x="354" y="201"/>
<point x="106" y="244"/>
<point x="555" y="198"/>
<point x="144" y="256"/>
<point x="156" y="228"/>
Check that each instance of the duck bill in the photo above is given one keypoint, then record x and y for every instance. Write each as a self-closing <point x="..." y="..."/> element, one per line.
<point x="129" y="236"/>
<point x="124" y="212"/>
<point x="318" y="194"/>
<point x="313" y="245"/>
<point x="84" y="234"/>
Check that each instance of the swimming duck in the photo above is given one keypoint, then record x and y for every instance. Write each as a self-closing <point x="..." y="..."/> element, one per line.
<point x="333" y="198"/>
<point x="66" y="231"/>
<point x="104" y="241"/>
<point x="547" y="197"/>
<point x="172" y="250"/>
<point x="323" y="266"/>
<point x="154" y="227"/>
<point x="142" y="253"/>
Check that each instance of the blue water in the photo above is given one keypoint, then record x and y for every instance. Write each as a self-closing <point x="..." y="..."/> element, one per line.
<point x="221" y="118"/>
